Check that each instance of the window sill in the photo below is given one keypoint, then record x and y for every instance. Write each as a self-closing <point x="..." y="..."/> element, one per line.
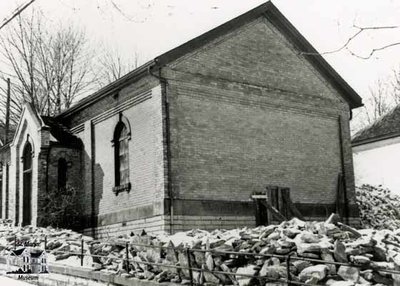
<point x="122" y="188"/>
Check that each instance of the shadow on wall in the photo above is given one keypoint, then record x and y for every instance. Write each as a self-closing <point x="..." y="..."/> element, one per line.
<point x="97" y="195"/>
<point x="92" y="192"/>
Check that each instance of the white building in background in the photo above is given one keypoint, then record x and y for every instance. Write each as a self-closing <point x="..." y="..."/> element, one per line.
<point x="376" y="153"/>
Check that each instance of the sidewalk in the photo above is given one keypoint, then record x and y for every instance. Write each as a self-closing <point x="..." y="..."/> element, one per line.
<point x="6" y="281"/>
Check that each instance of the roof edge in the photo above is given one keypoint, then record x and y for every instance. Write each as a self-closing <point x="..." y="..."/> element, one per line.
<point x="212" y="34"/>
<point x="374" y="139"/>
<point x="313" y="56"/>
<point x="110" y="88"/>
<point x="267" y="9"/>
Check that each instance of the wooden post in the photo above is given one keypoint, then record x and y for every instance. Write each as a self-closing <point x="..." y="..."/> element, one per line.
<point x="289" y="210"/>
<point x="272" y="200"/>
<point x="291" y="207"/>
<point x="190" y="266"/>
<point x="257" y="212"/>
<point x="82" y="252"/>
<point x="280" y="204"/>
<point x="343" y="184"/>
<point x="127" y="257"/>
<point x="274" y="212"/>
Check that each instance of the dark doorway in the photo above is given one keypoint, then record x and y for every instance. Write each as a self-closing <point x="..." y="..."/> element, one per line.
<point x="261" y="213"/>
<point x="62" y="174"/>
<point x="27" y="185"/>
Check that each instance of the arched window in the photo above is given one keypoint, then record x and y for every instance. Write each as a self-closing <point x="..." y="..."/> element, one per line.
<point x="27" y="157"/>
<point x="121" y="154"/>
<point x="62" y="173"/>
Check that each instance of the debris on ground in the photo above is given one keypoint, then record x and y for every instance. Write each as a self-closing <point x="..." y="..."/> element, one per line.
<point x="379" y="207"/>
<point x="367" y="255"/>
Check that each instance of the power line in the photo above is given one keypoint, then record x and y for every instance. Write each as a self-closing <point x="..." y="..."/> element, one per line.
<point x="18" y="11"/>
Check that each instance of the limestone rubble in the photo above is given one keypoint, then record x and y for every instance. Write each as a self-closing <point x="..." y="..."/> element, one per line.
<point x="367" y="255"/>
<point x="379" y="207"/>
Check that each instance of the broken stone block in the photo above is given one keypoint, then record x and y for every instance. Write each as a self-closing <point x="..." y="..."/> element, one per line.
<point x="313" y="280"/>
<point x="309" y="237"/>
<point x="339" y="252"/>
<point x="328" y="257"/>
<point x="247" y="270"/>
<point x="319" y="271"/>
<point x="349" y="273"/>
<point x="301" y="264"/>
<point x="360" y="260"/>
<point x="209" y="261"/>
<point x="341" y="283"/>
<point x="210" y="278"/>
<point x="273" y="271"/>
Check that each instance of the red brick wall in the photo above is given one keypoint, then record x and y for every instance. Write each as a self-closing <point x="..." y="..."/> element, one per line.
<point x="74" y="169"/>
<point x="145" y="158"/>
<point x="246" y="111"/>
<point x="48" y="173"/>
<point x="141" y="106"/>
<point x="110" y="101"/>
<point x="227" y="150"/>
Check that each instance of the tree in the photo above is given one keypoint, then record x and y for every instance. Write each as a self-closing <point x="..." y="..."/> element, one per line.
<point x="382" y="98"/>
<point x="112" y="66"/>
<point x="48" y="67"/>
<point x="61" y="208"/>
<point x="379" y="102"/>
<point x="395" y="84"/>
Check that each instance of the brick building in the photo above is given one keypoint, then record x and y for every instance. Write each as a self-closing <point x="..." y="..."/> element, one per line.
<point x="184" y="140"/>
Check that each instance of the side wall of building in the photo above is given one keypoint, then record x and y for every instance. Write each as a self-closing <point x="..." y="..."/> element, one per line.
<point x="248" y="111"/>
<point x="108" y="213"/>
<point x="377" y="164"/>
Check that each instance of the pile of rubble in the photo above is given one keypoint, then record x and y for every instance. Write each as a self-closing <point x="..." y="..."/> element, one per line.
<point x="59" y="242"/>
<point x="247" y="256"/>
<point x="369" y="255"/>
<point x="379" y="208"/>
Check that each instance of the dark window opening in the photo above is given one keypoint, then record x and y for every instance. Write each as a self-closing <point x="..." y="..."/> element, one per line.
<point x="121" y="155"/>
<point x="27" y="187"/>
<point x="62" y="173"/>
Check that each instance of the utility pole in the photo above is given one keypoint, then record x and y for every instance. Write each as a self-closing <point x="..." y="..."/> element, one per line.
<point x="7" y="127"/>
<point x="16" y="13"/>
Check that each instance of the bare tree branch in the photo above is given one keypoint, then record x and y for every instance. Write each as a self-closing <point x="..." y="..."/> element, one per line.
<point x="49" y="67"/>
<point x="353" y="37"/>
<point x="112" y="66"/>
<point x="373" y="51"/>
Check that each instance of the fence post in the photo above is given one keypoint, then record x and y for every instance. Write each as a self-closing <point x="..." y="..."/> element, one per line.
<point x="127" y="257"/>
<point x="82" y="252"/>
<point x="189" y="265"/>
<point x="289" y="278"/>
<point x="15" y="241"/>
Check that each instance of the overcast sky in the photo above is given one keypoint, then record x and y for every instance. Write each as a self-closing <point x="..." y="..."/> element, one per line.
<point x="152" y="27"/>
